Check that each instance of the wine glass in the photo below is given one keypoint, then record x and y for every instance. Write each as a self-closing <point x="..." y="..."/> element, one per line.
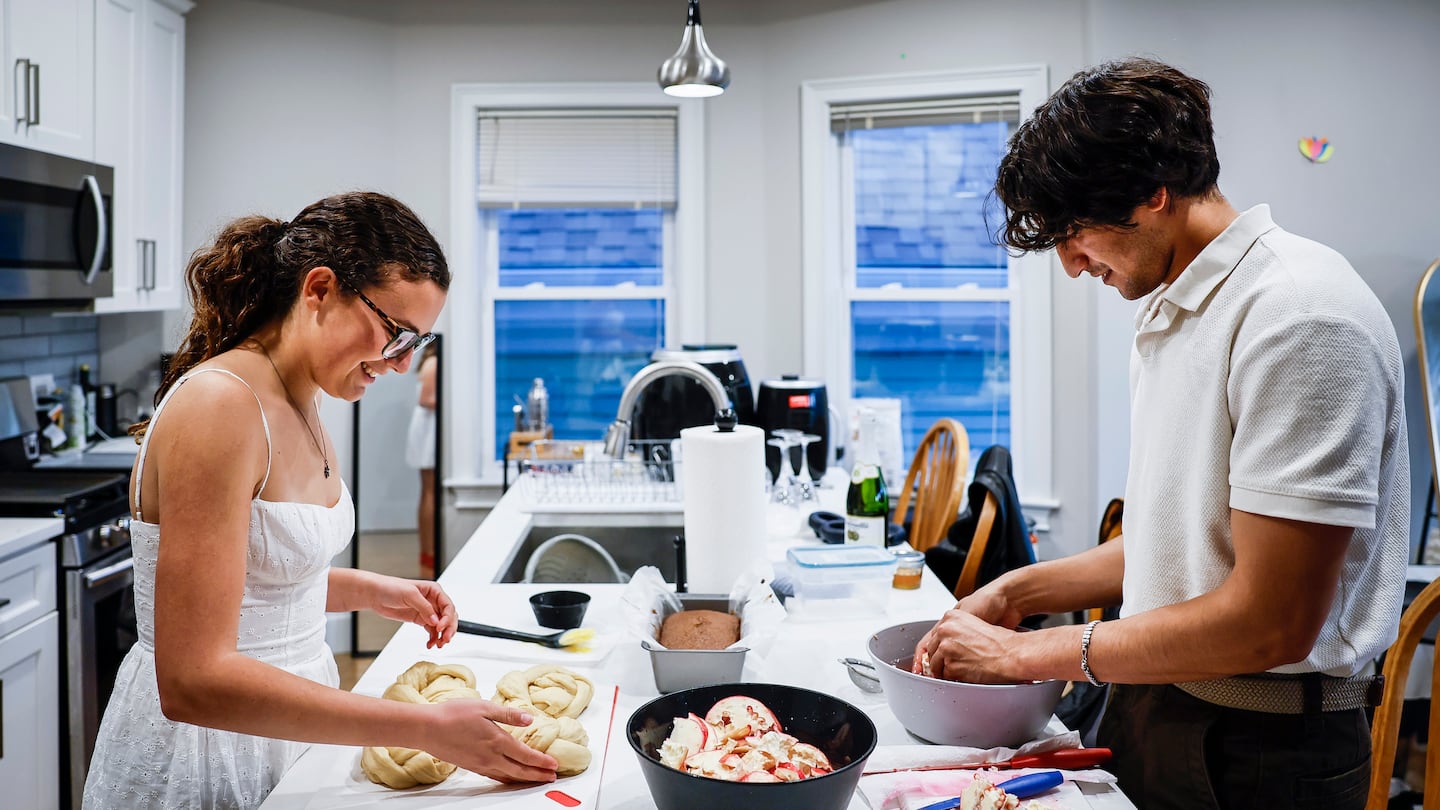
<point x="806" y="499"/>
<point x="787" y="457"/>
<point x="782" y="514"/>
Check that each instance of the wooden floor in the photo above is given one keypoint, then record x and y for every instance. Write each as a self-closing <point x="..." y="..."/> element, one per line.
<point x="394" y="553"/>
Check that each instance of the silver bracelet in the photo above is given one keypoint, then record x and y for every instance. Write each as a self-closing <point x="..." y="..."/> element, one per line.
<point x="1085" y="654"/>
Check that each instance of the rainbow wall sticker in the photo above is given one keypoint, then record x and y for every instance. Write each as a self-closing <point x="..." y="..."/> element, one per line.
<point x="1316" y="150"/>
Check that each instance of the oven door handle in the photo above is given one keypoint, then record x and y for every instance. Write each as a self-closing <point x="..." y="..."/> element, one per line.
<point x="94" y="579"/>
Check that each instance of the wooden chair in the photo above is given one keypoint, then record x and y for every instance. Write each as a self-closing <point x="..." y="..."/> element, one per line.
<point x="1110" y="528"/>
<point x="935" y="482"/>
<point x="1385" y="732"/>
<point x="984" y="528"/>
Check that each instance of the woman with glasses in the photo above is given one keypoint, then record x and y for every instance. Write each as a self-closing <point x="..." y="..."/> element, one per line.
<point x="238" y="509"/>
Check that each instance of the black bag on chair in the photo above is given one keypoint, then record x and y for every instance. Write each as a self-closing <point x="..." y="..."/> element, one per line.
<point x="1009" y="545"/>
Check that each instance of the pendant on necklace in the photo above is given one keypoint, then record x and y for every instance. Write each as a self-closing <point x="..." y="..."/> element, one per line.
<point x="327" y="469"/>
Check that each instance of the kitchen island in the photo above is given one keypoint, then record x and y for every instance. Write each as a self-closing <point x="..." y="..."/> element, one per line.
<point x="804" y="654"/>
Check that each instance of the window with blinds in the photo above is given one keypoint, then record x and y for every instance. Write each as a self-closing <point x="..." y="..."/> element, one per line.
<point x="928" y="293"/>
<point x="598" y="158"/>
<point x="579" y="206"/>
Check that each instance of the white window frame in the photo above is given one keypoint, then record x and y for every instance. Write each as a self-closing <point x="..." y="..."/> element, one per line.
<point x="469" y="312"/>
<point x="828" y="261"/>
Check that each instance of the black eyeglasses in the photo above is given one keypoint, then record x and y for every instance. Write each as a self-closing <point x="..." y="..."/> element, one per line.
<point x="403" y="339"/>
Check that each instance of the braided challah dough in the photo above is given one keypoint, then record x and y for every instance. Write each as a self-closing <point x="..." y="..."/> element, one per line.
<point x="424" y="682"/>
<point x="553" y="696"/>
<point x="554" y="690"/>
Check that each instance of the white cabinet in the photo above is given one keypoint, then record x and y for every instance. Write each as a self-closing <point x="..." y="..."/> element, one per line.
<point x="29" y="678"/>
<point x="30" y="726"/>
<point x="47" y="48"/>
<point x="140" y="81"/>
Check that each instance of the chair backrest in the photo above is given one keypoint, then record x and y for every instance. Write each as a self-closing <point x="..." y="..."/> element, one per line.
<point x="984" y="528"/>
<point x="1111" y="526"/>
<point x="1385" y="731"/>
<point x="935" y="482"/>
<point x="572" y="558"/>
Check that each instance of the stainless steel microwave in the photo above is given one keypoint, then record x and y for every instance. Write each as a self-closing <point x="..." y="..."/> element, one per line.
<point x="55" y="226"/>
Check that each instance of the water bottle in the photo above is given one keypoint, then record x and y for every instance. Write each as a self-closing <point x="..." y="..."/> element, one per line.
<point x="537" y="404"/>
<point x="75" y="418"/>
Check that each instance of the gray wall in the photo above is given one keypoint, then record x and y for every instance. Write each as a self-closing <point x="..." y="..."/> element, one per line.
<point x="286" y="104"/>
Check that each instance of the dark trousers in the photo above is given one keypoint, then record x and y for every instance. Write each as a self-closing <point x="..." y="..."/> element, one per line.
<point x="1173" y="750"/>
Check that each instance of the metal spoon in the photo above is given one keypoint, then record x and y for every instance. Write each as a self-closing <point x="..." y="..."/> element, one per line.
<point x="862" y="674"/>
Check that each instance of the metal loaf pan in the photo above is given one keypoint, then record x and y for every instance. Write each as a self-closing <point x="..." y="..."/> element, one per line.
<point x="686" y="669"/>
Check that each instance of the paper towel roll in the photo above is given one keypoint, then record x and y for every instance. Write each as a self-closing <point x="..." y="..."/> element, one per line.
<point x="723" y="479"/>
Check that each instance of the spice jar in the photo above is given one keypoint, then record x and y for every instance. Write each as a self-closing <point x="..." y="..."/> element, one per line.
<point x="909" y="569"/>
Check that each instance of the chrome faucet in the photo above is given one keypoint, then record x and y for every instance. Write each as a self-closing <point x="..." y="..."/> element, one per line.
<point x="617" y="438"/>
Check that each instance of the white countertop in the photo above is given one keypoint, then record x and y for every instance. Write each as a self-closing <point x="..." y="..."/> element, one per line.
<point x="18" y="534"/>
<point x="803" y="654"/>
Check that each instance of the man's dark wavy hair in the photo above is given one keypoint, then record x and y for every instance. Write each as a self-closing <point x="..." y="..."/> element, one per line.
<point x="1102" y="146"/>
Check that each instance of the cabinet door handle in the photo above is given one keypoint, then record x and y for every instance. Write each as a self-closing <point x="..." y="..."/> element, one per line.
<point x="150" y="284"/>
<point x="139" y="265"/>
<point x="34" y="120"/>
<point x="18" y="81"/>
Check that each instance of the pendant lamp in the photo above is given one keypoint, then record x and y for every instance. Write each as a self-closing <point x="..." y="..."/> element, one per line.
<point x="694" y="71"/>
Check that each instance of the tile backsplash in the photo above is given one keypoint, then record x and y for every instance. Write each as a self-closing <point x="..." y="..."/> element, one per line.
<point x="49" y="344"/>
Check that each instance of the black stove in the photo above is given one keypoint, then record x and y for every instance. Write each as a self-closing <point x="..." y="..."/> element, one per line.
<point x="88" y="501"/>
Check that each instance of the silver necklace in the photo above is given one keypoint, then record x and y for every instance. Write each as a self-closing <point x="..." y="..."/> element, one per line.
<point x="303" y="418"/>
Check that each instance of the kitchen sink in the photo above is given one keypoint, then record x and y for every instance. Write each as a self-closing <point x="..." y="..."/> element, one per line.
<point x="631" y="546"/>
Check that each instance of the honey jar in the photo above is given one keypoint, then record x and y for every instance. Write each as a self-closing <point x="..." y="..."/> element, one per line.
<point x="909" y="568"/>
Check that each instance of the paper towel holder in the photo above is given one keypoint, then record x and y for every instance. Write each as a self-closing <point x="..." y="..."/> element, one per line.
<point x="617" y="437"/>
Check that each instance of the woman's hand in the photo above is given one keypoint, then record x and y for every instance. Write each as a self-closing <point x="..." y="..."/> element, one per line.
<point x="418" y="601"/>
<point x="464" y="733"/>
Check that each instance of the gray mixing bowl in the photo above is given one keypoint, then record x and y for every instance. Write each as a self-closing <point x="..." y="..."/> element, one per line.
<point x="952" y="713"/>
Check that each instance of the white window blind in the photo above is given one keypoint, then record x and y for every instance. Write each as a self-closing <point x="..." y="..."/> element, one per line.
<point x="576" y="157"/>
<point x="924" y="112"/>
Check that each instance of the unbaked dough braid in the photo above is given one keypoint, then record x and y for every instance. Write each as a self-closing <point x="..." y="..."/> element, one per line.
<point x="563" y="738"/>
<point x="553" y="696"/>
<point x="554" y="690"/>
<point x="424" y="682"/>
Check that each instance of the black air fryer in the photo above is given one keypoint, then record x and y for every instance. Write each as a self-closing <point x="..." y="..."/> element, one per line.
<point x="799" y="404"/>
<point x="675" y="401"/>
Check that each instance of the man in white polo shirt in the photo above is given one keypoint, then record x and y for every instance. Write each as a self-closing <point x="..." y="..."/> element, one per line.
<point x="1267" y="506"/>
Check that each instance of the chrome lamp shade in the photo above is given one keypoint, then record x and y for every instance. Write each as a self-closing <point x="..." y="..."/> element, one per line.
<point x="694" y="71"/>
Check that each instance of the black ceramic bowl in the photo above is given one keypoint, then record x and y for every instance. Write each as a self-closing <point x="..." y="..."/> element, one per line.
<point x="560" y="610"/>
<point x="843" y="732"/>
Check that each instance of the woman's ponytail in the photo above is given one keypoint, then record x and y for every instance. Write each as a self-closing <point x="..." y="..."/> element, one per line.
<point x="236" y="286"/>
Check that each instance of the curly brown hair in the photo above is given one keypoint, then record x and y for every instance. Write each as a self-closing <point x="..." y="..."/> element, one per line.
<point x="250" y="277"/>
<point x="1102" y="146"/>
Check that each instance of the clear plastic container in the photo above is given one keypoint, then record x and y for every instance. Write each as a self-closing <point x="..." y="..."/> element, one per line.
<point x="841" y="579"/>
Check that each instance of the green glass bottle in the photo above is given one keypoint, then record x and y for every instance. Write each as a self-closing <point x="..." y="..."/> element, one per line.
<point x="867" y="503"/>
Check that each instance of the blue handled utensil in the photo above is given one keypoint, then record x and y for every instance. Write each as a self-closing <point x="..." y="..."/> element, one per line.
<point x="1032" y="784"/>
<point x="1021" y="787"/>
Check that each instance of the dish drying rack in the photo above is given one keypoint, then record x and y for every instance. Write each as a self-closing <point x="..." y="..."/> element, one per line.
<point x="570" y="473"/>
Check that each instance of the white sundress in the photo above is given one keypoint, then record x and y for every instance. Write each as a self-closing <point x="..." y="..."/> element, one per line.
<point x="144" y="760"/>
